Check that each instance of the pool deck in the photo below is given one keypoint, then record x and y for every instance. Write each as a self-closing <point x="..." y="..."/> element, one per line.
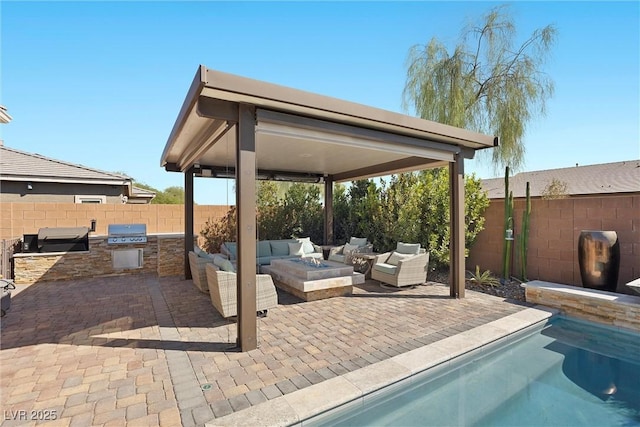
<point x="153" y="351"/>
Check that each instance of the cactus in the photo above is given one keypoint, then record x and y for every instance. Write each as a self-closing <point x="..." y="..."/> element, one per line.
<point x="508" y="224"/>
<point x="524" y="238"/>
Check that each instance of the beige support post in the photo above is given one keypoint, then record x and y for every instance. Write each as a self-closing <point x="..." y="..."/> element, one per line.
<point x="328" y="210"/>
<point x="456" y="246"/>
<point x="246" y="220"/>
<point x="188" y="220"/>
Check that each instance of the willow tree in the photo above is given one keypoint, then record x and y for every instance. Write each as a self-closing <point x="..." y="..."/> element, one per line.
<point x="486" y="84"/>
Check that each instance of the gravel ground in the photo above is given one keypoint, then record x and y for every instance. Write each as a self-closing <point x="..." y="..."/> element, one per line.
<point x="511" y="290"/>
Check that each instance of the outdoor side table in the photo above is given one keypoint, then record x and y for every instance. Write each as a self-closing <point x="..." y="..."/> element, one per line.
<point x="362" y="263"/>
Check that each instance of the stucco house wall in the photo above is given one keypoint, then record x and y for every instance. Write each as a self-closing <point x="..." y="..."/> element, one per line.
<point x="42" y="192"/>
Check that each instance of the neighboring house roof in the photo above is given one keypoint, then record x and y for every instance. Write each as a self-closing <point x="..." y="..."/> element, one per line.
<point x="4" y="116"/>
<point x="141" y="193"/>
<point x="16" y="165"/>
<point x="605" y="178"/>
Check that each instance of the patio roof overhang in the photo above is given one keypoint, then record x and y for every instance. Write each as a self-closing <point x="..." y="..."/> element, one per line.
<point x="234" y="127"/>
<point x="310" y="129"/>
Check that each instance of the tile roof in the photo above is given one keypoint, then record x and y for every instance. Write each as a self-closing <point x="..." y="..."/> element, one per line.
<point x="142" y="192"/>
<point x="4" y="116"/>
<point x="16" y="165"/>
<point x="605" y="178"/>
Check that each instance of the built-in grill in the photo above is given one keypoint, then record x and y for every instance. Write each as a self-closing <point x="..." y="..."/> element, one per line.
<point x="61" y="239"/>
<point x="121" y="234"/>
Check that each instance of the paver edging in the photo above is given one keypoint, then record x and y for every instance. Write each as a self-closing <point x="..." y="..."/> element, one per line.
<point x="359" y="385"/>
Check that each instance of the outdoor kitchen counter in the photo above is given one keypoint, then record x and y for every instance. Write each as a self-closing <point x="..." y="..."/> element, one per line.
<point x="162" y="254"/>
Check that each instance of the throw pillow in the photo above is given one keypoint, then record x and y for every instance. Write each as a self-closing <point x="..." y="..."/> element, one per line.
<point x="202" y="254"/>
<point x="349" y="248"/>
<point x="263" y="248"/>
<point x="218" y="260"/>
<point x="396" y="257"/>
<point x="227" y="266"/>
<point x="232" y="247"/>
<point x="279" y="248"/>
<point x="408" y="248"/>
<point x="358" y="241"/>
<point x="207" y="256"/>
<point x="296" y="249"/>
<point x="307" y="246"/>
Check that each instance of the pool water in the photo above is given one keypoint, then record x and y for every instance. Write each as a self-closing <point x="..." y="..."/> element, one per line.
<point x="569" y="373"/>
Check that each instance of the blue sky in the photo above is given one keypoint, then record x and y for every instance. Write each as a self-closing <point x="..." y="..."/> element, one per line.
<point x="101" y="84"/>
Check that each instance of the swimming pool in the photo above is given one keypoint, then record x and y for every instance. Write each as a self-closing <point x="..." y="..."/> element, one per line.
<point x="568" y="372"/>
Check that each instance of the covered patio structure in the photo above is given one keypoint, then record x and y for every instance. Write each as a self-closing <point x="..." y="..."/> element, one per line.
<point x="235" y="127"/>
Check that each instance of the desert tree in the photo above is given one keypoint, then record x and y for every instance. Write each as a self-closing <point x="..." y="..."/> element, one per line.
<point x="486" y="83"/>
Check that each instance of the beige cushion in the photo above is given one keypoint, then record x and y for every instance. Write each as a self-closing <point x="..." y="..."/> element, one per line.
<point x="349" y="248"/>
<point x="395" y="257"/>
<point x="358" y="241"/>
<point x="296" y="249"/>
<point x="337" y="258"/>
<point x="408" y="248"/>
<point x="386" y="268"/>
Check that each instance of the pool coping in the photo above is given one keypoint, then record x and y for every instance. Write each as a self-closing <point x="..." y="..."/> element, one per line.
<point x="294" y="408"/>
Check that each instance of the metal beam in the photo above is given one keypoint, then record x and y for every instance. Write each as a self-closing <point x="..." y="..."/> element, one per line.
<point x="457" y="227"/>
<point x="188" y="220"/>
<point x="246" y="220"/>
<point x="172" y="167"/>
<point x="261" y="174"/>
<point x="195" y="89"/>
<point x="205" y="139"/>
<point x="409" y="163"/>
<point x="328" y="210"/>
<point x="217" y="109"/>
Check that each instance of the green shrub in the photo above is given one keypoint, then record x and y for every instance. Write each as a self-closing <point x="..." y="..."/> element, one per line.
<point x="296" y="214"/>
<point x="412" y="207"/>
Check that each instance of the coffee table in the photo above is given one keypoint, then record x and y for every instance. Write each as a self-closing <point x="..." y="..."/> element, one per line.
<point x="313" y="282"/>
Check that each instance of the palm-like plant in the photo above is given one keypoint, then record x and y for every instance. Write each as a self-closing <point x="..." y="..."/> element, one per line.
<point x="484" y="278"/>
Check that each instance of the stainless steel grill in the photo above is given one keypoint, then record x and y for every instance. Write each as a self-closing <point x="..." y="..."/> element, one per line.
<point x="121" y="234"/>
<point x="62" y="239"/>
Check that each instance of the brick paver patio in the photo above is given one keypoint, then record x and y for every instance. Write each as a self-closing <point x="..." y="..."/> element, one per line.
<point x="140" y="350"/>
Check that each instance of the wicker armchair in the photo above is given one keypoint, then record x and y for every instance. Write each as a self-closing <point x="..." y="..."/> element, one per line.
<point x="198" y="274"/>
<point x="223" y="291"/>
<point x="407" y="271"/>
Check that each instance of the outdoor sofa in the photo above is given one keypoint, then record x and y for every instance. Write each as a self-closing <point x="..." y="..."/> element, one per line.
<point x="268" y="250"/>
<point x="405" y="266"/>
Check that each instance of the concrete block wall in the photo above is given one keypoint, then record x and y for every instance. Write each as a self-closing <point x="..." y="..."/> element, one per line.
<point x="17" y="219"/>
<point x="553" y="238"/>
